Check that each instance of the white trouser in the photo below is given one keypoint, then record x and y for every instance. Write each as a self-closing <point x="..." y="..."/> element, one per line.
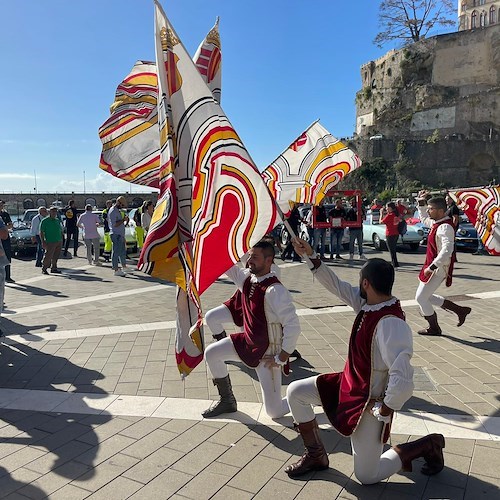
<point x="216" y="317"/>
<point x="89" y="242"/>
<point x="218" y="353"/>
<point x="370" y="464"/>
<point x="425" y="293"/>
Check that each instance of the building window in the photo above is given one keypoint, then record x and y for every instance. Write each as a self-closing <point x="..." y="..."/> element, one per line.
<point x="473" y="20"/>
<point x="464" y="6"/>
<point x="493" y="15"/>
<point x="481" y="2"/>
<point x="474" y="3"/>
<point x="482" y="19"/>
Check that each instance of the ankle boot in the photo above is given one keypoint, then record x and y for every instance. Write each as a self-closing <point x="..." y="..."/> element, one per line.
<point x="227" y="402"/>
<point x="460" y="311"/>
<point x="220" y="336"/>
<point x="429" y="447"/>
<point x="433" y="329"/>
<point x="315" y="457"/>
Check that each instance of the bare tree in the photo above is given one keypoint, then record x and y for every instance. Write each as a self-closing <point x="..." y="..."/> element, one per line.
<point x="411" y="20"/>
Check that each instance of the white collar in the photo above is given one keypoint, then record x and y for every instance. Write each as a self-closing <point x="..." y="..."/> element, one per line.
<point x="258" y="279"/>
<point x="377" y="307"/>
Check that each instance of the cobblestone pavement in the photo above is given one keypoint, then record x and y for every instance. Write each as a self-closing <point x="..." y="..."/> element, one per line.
<point x="92" y="406"/>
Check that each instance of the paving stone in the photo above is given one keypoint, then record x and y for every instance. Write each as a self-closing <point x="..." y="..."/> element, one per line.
<point x="120" y="487"/>
<point x="70" y="492"/>
<point x="199" y="458"/>
<point x="163" y="485"/>
<point x="154" y="464"/>
<point x="256" y="474"/>
<point x="484" y="462"/>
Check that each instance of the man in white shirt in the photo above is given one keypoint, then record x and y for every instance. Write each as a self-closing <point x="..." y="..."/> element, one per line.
<point x="376" y="381"/>
<point x="35" y="234"/>
<point x="438" y="265"/>
<point x="270" y="331"/>
<point x="90" y="222"/>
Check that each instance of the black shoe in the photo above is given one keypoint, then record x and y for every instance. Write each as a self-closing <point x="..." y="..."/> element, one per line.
<point x="9" y="280"/>
<point x="65" y="253"/>
<point x="38" y="264"/>
<point x="44" y="271"/>
<point x="338" y="257"/>
<point x="75" y="255"/>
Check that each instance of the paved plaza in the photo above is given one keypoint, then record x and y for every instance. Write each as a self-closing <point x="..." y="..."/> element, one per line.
<point x="92" y="405"/>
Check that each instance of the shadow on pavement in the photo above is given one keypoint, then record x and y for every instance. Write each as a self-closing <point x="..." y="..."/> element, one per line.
<point x="10" y="327"/>
<point x="485" y="343"/>
<point x="36" y="290"/>
<point x="69" y="437"/>
<point x="419" y="404"/>
<point x="9" y="485"/>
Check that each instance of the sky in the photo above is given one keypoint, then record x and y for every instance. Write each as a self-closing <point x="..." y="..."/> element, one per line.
<point x="285" y="63"/>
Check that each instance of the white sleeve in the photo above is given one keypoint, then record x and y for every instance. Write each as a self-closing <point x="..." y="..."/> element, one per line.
<point x="343" y="290"/>
<point x="280" y="302"/>
<point x="446" y="235"/>
<point x="237" y="275"/>
<point x="395" y="343"/>
<point x="424" y="218"/>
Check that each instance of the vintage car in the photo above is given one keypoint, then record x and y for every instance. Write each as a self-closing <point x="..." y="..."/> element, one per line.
<point x="374" y="234"/>
<point x="20" y="240"/>
<point x="466" y="235"/>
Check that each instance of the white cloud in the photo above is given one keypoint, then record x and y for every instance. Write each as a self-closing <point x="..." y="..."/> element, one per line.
<point x="8" y="176"/>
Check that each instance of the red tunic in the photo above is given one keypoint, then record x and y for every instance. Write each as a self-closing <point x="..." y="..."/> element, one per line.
<point x="252" y="343"/>
<point x="234" y="306"/>
<point x="432" y="251"/>
<point x="344" y="395"/>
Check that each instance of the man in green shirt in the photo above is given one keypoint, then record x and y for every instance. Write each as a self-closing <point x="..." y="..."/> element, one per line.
<point x="51" y="236"/>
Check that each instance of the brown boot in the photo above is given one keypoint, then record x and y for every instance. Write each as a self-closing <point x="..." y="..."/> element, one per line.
<point x="433" y="329"/>
<point x="460" y="311"/>
<point x="429" y="447"/>
<point x="227" y="402"/>
<point x="315" y="457"/>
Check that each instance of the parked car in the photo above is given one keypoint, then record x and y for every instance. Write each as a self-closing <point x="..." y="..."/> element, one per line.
<point x="20" y="240"/>
<point x="374" y="234"/>
<point x="466" y="236"/>
<point x="129" y="237"/>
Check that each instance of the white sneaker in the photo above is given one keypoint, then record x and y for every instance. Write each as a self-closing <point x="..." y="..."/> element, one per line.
<point x="120" y="273"/>
<point x="127" y="270"/>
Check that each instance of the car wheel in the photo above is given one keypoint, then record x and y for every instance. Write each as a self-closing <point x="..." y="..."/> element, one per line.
<point x="377" y="242"/>
<point x="414" y="246"/>
<point x="284" y="237"/>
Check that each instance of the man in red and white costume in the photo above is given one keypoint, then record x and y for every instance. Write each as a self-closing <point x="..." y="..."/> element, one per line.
<point x="270" y="331"/>
<point x="438" y="265"/>
<point x="376" y="381"/>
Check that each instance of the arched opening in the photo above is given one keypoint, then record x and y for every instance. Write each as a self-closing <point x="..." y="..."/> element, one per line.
<point x="28" y="203"/>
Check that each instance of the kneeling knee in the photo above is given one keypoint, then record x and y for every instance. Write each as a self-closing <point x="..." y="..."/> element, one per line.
<point x="365" y="477"/>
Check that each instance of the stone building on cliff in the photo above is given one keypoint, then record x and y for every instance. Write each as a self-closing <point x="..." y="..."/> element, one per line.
<point x="437" y="104"/>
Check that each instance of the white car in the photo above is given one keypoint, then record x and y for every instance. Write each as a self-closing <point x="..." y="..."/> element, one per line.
<point x="129" y="235"/>
<point x="374" y="234"/>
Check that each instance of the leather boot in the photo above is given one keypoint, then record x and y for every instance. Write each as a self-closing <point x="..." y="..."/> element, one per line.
<point x="429" y="447"/>
<point x="460" y="311"/>
<point x="227" y="402"/>
<point x="220" y="336"/>
<point x="315" y="457"/>
<point x="433" y="329"/>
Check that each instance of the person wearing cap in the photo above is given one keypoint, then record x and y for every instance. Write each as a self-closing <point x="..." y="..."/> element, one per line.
<point x="6" y="241"/>
<point x="89" y="222"/>
<point x="51" y="236"/>
<point x="117" y="221"/>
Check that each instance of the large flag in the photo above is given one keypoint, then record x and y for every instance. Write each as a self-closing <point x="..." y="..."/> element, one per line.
<point x="482" y="207"/>
<point x="222" y="204"/>
<point x="314" y="163"/>
<point x="130" y="137"/>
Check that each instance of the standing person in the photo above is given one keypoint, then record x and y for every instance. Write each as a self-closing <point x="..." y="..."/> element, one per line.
<point x="117" y="220"/>
<point x="376" y="381"/>
<point x="35" y="234"/>
<point x="452" y="211"/>
<point x="355" y="232"/>
<point x="89" y="222"/>
<point x="294" y="221"/>
<point x="6" y="241"/>
<point x="335" y="216"/>
<point x="438" y="265"/>
<point x="391" y="219"/>
<point x="107" y="236"/>
<point x="320" y="232"/>
<point x="139" y="230"/>
<point x="147" y="213"/>
<point x="71" y="215"/>
<point x="270" y="325"/>
<point x="51" y="235"/>
<point x="4" y="234"/>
